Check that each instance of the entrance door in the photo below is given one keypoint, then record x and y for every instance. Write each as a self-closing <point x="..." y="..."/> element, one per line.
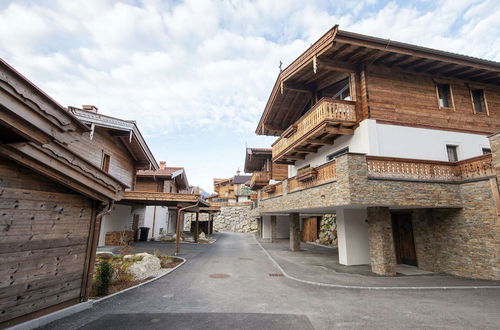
<point x="404" y="243"/>
<point x="310" y="230"/>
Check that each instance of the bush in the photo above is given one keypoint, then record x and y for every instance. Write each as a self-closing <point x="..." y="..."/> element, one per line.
<point x="103" y="277"/>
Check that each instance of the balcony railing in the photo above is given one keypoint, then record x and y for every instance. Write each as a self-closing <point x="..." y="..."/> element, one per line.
<point x="326" y="119"/>
<point x="260" y="179"/>
<point x="272" y="190"/>
<point x="425" y="170"/>
<point x="323" y="174"/>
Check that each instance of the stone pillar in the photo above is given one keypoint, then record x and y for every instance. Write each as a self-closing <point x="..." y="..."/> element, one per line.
<point x="382" y="254"/>
<point x="294" y="219"/>
<point x="273" y="229"/>
<point x="352" y="231"/>
<point x="260" y="224"/>
<point x="495" y="153"/>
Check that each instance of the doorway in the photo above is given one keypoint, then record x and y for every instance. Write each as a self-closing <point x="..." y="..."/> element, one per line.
<point x="310" y="229"/>
<point x="404" y="243"/>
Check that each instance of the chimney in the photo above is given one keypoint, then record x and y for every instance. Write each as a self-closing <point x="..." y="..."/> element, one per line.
<point x="163" y="164"/>
<point x="90" y="108"/>
<point x="238" y="172"/>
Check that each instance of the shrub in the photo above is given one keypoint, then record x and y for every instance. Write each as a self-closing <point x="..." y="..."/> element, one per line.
<point x="103" y="277"/>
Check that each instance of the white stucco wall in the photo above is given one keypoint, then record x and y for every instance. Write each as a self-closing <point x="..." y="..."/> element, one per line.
<point x="157" y="215"/>
<point x="352" y="233"/>
<point x="118" y="219"/>
<point x="377" y="139"/>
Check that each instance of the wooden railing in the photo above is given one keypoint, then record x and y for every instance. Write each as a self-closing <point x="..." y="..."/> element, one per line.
<point x="260" y="177"/>
<point x="327" y="109"/>
<point x="278" y="191"/>
<point x="324" y="173"/>
<point x="426" y="170"/>
<point x="231" y="204"/>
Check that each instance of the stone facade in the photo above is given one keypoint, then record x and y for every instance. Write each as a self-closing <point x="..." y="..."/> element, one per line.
<point x="382" y="255"/>
<point x="328" y="230"/>
<point x="235" y="219"/>
<point x="456" y="225"/>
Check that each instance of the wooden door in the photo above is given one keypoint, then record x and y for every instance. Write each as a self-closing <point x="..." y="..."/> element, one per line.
<point x="404" y="242"/>
<point x="310" y="230"/>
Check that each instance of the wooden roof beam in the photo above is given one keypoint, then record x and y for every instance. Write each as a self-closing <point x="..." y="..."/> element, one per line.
<point x="299" y="88"/>
<point x="336" y="66"/>
<point x="413" y="63"/>
<point x="398" y="60"/>
<point x="307" y="150"/>
<point x="481" y="75"/>
<point x="369" y="57"/>
<point x="460" y="70"/>
<point x="384" y="57"/>
<point x="340" y="50"/>
<point x="352" y="54"/>
<point x="442" y="68"/>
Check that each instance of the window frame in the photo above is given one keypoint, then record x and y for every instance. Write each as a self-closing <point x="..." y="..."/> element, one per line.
<point x="486" y="110"/>
<point x="105" y="162"/>
<point x="451" y="100"/>
<point x="457" y="153"/>
<point x="337" y="153"/>
<point x="485" y="150"/>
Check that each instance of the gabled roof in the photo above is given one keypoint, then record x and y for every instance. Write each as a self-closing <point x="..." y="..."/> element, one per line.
<point x="241" y="179"/>
<point x="345" y="52"/>
<point x="126" y="130"/>
<point x="178" y="174"/>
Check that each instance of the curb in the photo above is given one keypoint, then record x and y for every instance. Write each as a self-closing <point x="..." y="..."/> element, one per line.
<point x="96" y="301"/>
<point x="373" y="288"/>
<point x="49" y="318"/>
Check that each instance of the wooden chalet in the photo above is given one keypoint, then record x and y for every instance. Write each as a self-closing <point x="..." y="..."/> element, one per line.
<point x="388" y="135"/>
<point x="231" y="190"/>
<point x="258" y="161"/>
<point x="56" y="185"/>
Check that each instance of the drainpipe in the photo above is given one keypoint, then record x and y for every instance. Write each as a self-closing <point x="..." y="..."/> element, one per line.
<point x="93" y="247"/>
<point x="178" y="227"/>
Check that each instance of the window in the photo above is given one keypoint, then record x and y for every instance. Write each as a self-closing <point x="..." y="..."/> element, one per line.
<point x="452" y="153"/>
<point x="478" y="101"/>
<point x="339" y="90"/>
<point x="106" y="159"/>
<point x="486" y="151"/>
<point x="337" y="153"/>
<point x="444" y="95"/>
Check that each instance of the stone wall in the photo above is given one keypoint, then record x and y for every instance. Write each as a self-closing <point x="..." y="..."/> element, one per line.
<point x="328" y="230"/>
<point x="382" y="255"/>
<point x="235" y="219"/>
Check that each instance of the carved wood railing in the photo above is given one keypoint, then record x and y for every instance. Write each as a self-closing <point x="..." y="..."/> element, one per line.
<point x="260" y="177"/>
<point x="427" y="170"/>
<point x="324" y="173"/>
<point x="277" y="190"/>
<point x="326" y="109"/>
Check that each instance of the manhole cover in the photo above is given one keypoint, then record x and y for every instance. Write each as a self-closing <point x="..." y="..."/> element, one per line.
<point x="246" y="258"/>
<point x="219" y="275"/>
<point x="276" y="274"/>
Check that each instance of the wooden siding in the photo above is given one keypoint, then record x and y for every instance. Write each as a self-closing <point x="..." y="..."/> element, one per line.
<point x="279" y="172"/>
<point x="122" y="164"/>
<point x="411" y="99"/>
<point x="45" y="229"/>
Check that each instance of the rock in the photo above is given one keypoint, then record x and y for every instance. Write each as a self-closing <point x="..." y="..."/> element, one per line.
<point x="202" y="236"/>
<point x="104" y="255"/>
<point x="147" y="267"/>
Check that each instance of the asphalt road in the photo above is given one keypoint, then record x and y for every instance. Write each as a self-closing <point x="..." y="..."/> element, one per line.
<point x="249" y="295"/>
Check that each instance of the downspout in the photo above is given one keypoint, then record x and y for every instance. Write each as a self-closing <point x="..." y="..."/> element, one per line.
<point x="178" y="227"/>
<point x="93" y="247"/>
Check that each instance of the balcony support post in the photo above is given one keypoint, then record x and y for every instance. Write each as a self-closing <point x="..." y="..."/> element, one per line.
<point x="273" y="229"/>
<point x="294" y="219"/>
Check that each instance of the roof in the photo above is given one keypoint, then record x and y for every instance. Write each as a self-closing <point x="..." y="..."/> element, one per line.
<point x="167" y="171"/>
<point x="241" y="179"/>
<point x="255" y="158"/>
<point x="130" y="134"/>
<point x="345" y="52"/>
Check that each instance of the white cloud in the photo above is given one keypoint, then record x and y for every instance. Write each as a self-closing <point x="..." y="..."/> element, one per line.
<point x="208" y="65"/>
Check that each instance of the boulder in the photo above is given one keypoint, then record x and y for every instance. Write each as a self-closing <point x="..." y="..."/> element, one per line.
<point x="147" y="267"/>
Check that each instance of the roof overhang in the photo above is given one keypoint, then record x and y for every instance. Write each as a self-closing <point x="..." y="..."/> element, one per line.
<point x="255" y="158"/>
<point x="341" y="52"/>
<point x="162" y="199"/>
<point x="124" y="130"/>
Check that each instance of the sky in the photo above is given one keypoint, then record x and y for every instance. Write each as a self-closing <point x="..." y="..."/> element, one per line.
<point x="196" y="74"/>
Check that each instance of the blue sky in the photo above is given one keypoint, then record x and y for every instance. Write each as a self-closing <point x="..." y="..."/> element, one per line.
<point x="196" y="74"/>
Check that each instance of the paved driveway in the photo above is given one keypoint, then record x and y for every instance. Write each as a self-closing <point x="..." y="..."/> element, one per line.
<point x="251" y="298"/>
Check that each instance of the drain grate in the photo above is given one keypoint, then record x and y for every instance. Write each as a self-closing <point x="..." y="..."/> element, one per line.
<point x="246" y="258"/>
<point x="219" y="275"/>
<point x="276" y="275"/>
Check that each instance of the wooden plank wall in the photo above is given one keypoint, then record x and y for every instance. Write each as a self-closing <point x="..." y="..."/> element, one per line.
<point x="279" y="171"/>
<point x="411" y="98"/>
<point x="44" y="234"/>
<point x="122" y="164"/>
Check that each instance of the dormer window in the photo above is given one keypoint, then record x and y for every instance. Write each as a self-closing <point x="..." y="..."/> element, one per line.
<point x="444" y="95"/>
<point x="478" y="100"/>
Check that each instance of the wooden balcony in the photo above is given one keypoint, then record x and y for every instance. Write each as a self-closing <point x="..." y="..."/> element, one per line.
<point x="314" y="177"/>
<point x="326" y="120"/>
<point x="259" y="179"/>
<point x="427" y="170"/>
